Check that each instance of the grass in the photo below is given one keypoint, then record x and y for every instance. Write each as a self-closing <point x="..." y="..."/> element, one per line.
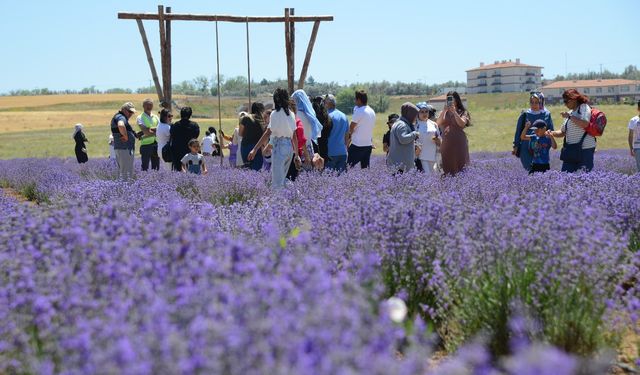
<point x="41" y="126"/>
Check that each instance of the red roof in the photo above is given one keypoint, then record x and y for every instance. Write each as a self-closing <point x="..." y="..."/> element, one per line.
<point x="443" y="98"/>
<point x="590" y="83"/>
<point x="508" y="64"/>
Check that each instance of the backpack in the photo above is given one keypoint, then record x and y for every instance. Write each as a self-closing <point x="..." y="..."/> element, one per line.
<point x="597" y="123"/>
<point x="166" y="153"/>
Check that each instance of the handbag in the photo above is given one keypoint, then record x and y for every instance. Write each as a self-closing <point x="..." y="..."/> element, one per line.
<point x="572" y="153"/>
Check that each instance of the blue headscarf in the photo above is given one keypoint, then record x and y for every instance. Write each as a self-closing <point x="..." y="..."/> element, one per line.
<point x="303" y="104"/>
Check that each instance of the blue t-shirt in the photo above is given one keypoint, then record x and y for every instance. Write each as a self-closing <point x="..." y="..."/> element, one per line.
<point x="540" y="147"/>
<point x="336" y="146"/>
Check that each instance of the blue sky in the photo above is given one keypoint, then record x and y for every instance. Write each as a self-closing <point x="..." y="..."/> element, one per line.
<point x="76" y="44"/>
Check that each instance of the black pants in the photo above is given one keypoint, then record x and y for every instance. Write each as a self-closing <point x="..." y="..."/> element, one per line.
<point x="150" y="153"/>
<point x="360" y="155"/>
<point x="538" y="168"/>
<point x="419" y="166"/>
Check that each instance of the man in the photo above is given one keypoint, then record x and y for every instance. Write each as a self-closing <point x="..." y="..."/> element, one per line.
<point x="361" y="132"/>
<point x="124" y="140"/>
<point x="385" y="138"/>
<point x="634" y="137"/>
<point x="181" y="133"/>
<point x="148" y="124"/>
<point x="338" y="137"/>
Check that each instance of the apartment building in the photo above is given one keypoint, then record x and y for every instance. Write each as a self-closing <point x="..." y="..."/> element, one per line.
<point x="615" y="90"/>
<point x="503" y="76"/>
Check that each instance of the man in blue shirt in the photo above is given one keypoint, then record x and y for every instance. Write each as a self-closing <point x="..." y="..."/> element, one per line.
<point x="338" y="138"/>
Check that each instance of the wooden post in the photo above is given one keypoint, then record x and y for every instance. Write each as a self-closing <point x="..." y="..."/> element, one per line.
<point x="163" y="52"/>
<point x="248" y="66"/>
<point x="220" y="137"/>
<point x="287" y="42"/>
<point x="307" y="57"/>
<point x="292" y="40"/>
<point x="169" y="88"/>
<point x="152" y="66"/>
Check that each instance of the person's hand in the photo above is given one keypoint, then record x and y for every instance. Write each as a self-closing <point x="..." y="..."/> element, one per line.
<point x="513" y="151"/>
<point x="205" y="172"/>
<point x="297" y="162"/>
<point x="124" y="138"/>
<point x="527" y="125"/>
<point x="633" y="152"/>
<point x="252" y="155"/>
<point x="564" y="114"/>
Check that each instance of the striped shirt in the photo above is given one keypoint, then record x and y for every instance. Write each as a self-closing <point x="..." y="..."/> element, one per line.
<point x="574" y="132"/>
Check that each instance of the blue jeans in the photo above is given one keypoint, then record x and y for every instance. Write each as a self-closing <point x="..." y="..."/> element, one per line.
<point x="360" y="155"/>
<point x="280" y="159"/>
<point x="586" y="163"/>
<point x="337" y="163"/>
<point x="637" y="151"/>
<point x="256" y="163"/>
<point x="525" y="155"/>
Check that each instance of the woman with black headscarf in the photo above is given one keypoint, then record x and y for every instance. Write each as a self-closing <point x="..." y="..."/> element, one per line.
<point x="402" y="153"/>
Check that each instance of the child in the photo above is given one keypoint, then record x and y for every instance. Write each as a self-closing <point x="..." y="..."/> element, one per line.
<point x="194" y="161"/>
<point x="539" y="143"/>
<point x="207" y="144"/>
<point x="385" y="139"/>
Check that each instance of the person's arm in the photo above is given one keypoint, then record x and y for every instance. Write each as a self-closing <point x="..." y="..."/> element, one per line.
<point x="554" y="145"/>
<point x="204" y="167"/>
<point x="518" y="136"/>
<point x="442" y="115"/>
<point x="559" y="133"/>
<point x="261" y="141"/>
<point x="523" y="133"/>
<point x="124" y="137"/>
<point x="461" y="121"/>
<point x="294" y="144"/>
<point x="405" y="136"/>
<point x="578" y="121"/>
<point x="385" y="147"/>
<point x="184" y="167"/>
<point x="633" y="152"/>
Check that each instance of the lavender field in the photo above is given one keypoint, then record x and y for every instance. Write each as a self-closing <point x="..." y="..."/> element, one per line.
<point x="500" y="272"/>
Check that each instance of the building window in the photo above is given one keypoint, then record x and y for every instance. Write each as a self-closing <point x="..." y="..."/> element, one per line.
<point x="586" y="91"/>
<point x="638" y="88"/>
<point x="624" y="89"/>
<point x="598" y="90"/>
<point x="610" y="89"/>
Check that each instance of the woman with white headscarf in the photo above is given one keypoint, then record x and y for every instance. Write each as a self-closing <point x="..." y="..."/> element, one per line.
<point x="312" y="127"/>
<point x="81" y="148"/>
<point x="535" y="112"/>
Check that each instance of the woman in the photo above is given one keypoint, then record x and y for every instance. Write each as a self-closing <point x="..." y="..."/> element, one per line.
<point x="312" y="127"/>
<point x="250" y="130"/>
<point x="579" y="147"/>
<point x="429" y="139"/>
<point x="281" y="131"/>
<point x="181" y="133"/>
<point x="323" y="117"/>
<point x="163" y="131"/>
<point x="455" y="147"/>
<point x="531" y="115"/>
<point x="81" y="148"/>
<point x="402" y="139"/>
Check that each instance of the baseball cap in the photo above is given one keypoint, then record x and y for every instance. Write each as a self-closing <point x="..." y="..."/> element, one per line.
<point x="129" y="107"/>
<point x="422" y="105"/>
<point x="538" y="124"/>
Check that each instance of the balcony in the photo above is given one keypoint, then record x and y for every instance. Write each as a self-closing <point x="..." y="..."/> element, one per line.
<point x="494" y="91"/>
<point x="481" y="76"/>
<point x="481" y="84"/>
<point x="530" y="82"/>
<point x="496" y="83"/>
<point x="529" y="74"/>
<point x="496" y="75"/>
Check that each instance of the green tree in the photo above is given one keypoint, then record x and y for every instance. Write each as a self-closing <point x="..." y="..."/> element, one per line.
<point x="345" y="100"/>
<point x="379" y="103"/>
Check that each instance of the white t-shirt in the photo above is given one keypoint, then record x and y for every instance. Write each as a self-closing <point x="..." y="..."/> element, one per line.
<point x="574" y="132"/>
<point x="427" y="129"/>
<point x="207" y="144"/>
<point x="634" y="125"/>
<point x="365" y="117"/>
<point x="163" y="134"/>
<point x="281" y="124"/>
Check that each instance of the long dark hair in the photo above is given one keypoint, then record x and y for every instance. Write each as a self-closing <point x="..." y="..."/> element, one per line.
<point x="281" y="100"/>
<point x="164" y="115"/>
<point x="322" y="115"/>
<point x="458" y="100"/>
<point x="257" y="110"/>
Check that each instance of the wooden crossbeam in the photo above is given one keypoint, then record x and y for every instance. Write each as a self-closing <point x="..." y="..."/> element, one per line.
<point x="220" y="18"/>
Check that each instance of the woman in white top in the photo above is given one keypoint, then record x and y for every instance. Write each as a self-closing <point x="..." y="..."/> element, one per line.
<point x="574" y="131"/>
<point x="429" y="139"/>
<point x="163" y="131"/>
<point x="282" y="139"/>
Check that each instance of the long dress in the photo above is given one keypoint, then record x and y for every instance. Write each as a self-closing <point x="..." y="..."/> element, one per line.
<point x="455" y="147"/>
<point x="81" y="148"/>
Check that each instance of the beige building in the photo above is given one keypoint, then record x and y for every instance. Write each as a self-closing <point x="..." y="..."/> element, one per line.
<point x="503" y="76"/>
<point x="596" y="89"/>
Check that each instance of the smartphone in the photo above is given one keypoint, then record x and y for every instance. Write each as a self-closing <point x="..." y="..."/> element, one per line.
<point x="449" y="101"/>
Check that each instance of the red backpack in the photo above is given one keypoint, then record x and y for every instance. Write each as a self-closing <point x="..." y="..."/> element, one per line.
<point x="597" y="123"/>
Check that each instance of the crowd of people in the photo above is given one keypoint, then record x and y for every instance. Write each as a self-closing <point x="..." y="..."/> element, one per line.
<point x="300" y="133"/>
